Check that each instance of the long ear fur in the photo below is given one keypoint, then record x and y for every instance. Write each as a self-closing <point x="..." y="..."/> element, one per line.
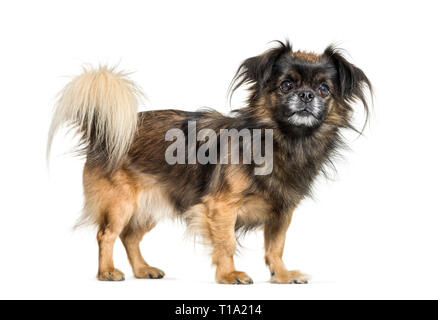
<point x="256" y="71"/>
<point x="352" y="81"/>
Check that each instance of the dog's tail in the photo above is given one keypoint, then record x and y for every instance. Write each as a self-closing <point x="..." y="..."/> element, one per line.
<point x="101" y="104"/>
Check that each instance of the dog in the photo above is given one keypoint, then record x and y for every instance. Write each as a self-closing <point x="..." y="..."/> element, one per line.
<point x="298" y="101"/>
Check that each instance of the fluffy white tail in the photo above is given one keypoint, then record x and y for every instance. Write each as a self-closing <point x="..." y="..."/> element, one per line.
<point x="102" y="105"/>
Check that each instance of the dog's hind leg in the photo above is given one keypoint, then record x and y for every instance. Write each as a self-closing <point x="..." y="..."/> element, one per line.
<point x="116" y="220"/>
<point x="110" y="203"/>
<point x="131" y="238"/>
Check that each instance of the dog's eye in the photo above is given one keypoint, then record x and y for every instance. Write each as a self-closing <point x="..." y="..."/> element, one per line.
<point x="323" y="90"/>
<point x="286" y="86"/>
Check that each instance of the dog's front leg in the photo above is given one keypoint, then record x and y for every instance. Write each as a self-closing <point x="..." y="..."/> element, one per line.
<point x="221" y="222"/>
<point x="275" y="236"/>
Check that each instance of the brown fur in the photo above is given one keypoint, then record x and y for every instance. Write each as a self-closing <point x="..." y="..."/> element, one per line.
<point x="306" y="56"/>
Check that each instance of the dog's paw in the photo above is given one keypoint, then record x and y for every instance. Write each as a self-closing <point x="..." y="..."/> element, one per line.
<point x="111" y="275"/>
<point x="234" y="277"/>
<point x="293" y="276"/>
<point x="147" y="272"/>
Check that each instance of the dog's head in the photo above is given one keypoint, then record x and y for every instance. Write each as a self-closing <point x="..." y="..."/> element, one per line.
<point x="302" y="90"/>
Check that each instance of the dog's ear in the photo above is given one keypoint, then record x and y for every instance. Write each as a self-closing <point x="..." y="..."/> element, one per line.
<point x="256" y="71"/>
<point x="352" y="83"/>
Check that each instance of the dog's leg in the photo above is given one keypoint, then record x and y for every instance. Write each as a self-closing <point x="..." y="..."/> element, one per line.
<point x="115" y="221"/>
<point x="275" y="236"/>
<point x="221" y="222"/>
<point x="131" y="238"/>
<point x="110" y="202"/>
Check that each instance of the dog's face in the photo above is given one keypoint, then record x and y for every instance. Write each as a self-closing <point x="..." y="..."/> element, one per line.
<point x="302" y="90"/>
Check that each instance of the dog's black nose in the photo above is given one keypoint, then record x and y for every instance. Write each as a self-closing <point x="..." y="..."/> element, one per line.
<point x="306" y="96"/>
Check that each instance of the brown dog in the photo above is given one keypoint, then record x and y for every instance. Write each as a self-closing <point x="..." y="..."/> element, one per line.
<point x="298" y="102"/>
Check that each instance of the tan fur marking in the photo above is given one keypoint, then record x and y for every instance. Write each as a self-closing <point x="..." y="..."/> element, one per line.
<point x="254" y="211"/>
<point x="237" y="180"/>
<point x="275" y="237"/>
<point x="221" y="221"/>
<point x="220" y="216"/>
<point x="105" y="192"/>
<point x="306" y="56"/>
<point x="112" y="202"/>
<point x="131" y="239"/>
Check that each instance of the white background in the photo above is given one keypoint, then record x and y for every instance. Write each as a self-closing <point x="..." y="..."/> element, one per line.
<point x="371" y="233"/>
